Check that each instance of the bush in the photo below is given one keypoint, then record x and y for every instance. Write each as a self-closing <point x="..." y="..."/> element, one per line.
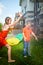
<point x="0" y="26"/>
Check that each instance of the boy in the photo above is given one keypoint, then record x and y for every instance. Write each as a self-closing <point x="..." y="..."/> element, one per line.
<point x="27" y="32"/>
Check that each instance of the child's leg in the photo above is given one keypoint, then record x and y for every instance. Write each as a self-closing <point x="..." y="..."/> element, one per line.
<point x="29" y="53"/>
<point x="9" y="50"/>
<point x="9" y="53"/>
<point x="25" y="48"/>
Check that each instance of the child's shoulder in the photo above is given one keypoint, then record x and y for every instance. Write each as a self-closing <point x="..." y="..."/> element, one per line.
<point x="5" y="27"/>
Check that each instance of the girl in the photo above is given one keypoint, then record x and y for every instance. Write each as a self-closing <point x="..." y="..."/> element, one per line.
<point x="4" y="32"/>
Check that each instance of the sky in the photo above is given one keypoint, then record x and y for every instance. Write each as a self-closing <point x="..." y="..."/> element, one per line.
<point x="8" y="8"/>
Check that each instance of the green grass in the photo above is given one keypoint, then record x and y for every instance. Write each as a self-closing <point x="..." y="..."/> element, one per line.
<point x="17" y="54"/>
<point x="37" y="51"/>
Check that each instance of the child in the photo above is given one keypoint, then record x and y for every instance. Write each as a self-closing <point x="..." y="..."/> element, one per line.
<point x="27" y="32"/>
<point x="4" y="32"/>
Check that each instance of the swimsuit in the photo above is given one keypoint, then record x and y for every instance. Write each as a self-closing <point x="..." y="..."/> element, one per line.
<point x="3" y="35"/>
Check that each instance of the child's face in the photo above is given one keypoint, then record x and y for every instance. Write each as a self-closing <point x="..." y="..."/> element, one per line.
<point x="28" y="25"/>
<point x="10" y="20"/>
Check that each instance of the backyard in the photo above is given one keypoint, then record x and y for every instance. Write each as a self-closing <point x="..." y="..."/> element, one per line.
<point x="17" y="54"/>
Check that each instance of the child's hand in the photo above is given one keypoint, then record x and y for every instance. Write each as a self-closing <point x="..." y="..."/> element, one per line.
<point x="20" y="14"/>
<point x="36" y="38"/>
<point x="24" y="39"/>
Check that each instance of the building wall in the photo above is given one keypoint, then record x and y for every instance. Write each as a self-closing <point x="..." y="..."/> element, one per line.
<point x="30" y="6"/>
<point x="23" y="5"/>
<point x="27" y="7"/>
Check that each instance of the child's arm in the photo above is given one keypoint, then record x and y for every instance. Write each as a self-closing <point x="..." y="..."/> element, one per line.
<point x="34" y="36"/>
<point x="15" y="22"/>
<point x="24" y="37"/>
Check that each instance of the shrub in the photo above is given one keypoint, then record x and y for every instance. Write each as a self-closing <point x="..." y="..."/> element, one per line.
<point x="0" y="26"/>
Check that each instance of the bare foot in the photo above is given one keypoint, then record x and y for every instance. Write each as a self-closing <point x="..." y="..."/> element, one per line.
<point x="0" y="57"/>
<point x="11" y="60"/>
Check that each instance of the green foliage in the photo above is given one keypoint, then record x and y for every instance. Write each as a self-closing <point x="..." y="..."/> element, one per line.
<point x="0" y="26"/>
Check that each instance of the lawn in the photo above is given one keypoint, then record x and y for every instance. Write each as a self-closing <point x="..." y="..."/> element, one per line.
<point x="17" y="54"/>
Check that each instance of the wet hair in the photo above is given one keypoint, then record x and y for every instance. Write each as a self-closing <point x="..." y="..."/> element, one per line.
<point x="7" y="20"/>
